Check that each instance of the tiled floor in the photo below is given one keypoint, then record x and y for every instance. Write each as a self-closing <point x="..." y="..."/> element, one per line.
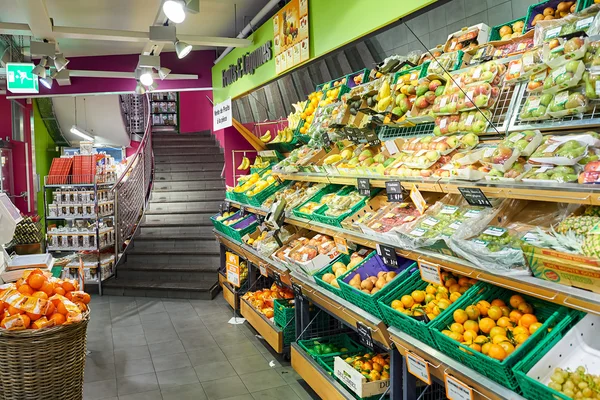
<point x="147" y="349"/>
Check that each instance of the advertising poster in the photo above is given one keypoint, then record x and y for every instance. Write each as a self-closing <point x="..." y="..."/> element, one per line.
<point x="290" y="35"/>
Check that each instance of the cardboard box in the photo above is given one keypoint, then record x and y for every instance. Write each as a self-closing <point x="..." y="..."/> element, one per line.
<point x="356" y="382"/>
<point x="482" y="30"/>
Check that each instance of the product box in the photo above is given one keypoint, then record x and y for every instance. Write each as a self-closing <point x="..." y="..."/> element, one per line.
<point x="461" y="39"/>
<point x="356" y="382"/>
<point x="564" y="268"/>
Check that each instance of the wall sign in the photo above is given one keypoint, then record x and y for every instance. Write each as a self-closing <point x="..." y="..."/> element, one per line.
<point x="290" y="34"/>
<point x="247" y="64"/>
<point x="20" y="78"/>
<point x="222" y="117"/>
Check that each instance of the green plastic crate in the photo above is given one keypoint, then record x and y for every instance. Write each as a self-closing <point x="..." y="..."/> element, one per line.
<point x="420" y="69"/>
<point x="284" y="312"/>
<point x="548" y="313"/>
<point x="289" y="335"/>
<point x="237" y="234"/>
<point x="533" y="389"/>
<point x="495" y="31"/>
<point x="370" y="302"/>
<point x="414" y="327"/>
<point x="229" y="195"/>
<point x="582" y="4"/>
<point x="261" y="196"/>
<point x="219" y="225"/>
<point x="385" y="132"/>
<point x="341" y="341"/>
<point x="531" y="11"/>
<point x="316" y="197"/>
<point x="319" y="214"/>
<point x="327" y="270"/>
<point x="284" y="147"/>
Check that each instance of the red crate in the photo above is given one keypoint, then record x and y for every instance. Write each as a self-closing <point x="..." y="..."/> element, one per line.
<point x="59" y="171"/>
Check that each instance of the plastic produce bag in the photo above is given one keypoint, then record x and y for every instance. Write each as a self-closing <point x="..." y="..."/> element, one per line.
<point x="564" y="77"/>
<point x="526" y="142"/>
<point x="536" y="81"/>
<point x="552" y="174"/>
<point x="568" y="102"/>
<point x="562" y="150"/>
<point x="569" y="50"/>
<point x="536" y="107"/>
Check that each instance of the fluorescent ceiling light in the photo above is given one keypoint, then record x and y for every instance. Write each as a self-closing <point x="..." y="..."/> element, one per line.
<point x="174" y="10"/>
<point x="81" y="133"/>
<point x="163" y="72"/>
<point x="146" y="77"/>
<point x="60" y="62"/>
<point x="39" y="71"/>
<point x="47" y="82"/>
<point x="139" y="88"/>
<point x="182" y="49"/>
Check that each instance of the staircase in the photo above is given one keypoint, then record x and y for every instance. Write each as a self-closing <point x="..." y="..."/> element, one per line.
<point x="174" y="252"/>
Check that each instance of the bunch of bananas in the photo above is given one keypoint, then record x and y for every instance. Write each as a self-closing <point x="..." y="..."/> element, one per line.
<point x="284" y="136"/>
<point x="244" y="165"/>
<point x="266" y="138"/>
<point x="259" y="163"/>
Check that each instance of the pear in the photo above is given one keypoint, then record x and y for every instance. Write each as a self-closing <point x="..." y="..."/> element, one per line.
<point x="389" y="276"/>
<point x="335" y="283"/>
<point x="355" y="280"/>
<point x="380" y="274"/>
<point x="367" y="284"/>
<point x="380" y="283"/>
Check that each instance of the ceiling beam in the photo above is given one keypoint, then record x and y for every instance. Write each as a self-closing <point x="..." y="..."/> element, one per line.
<point x="38" y="18"/>
<point x="156" y="48"/>
<point x="116" y="74"/>
<point x="7" y="28"/>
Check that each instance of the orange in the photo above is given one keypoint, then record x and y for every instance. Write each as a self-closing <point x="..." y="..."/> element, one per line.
<point x="527" y="320"/>
<point x="83" y="308"/>
<point x="450" y="282"/>
<point x="515" y="316"/>
<point x="519" y="329"/>
<point x="469" y="336"/>
<point x="268" y="313"/>
<point x="418" y="296"/>
<point x="473" y="312"/>
<point x="521" y="337"/>
<point x="59" y="290"/>
<point x="463" y="281"/>
<point x="36" y="281"/>
<point x="48" y="288"/>
<point x="430" y="289"/>
<point x="20" y="282"/>
<point x="471" y="326"/>
<point x="508" y="347"/>
<point x="485" y="348"/>
<point x="59" y="319"/>
<point x="407" y="300"/>
<point x="505" y="311"/>
<point x="69" y="296"/>
<point x="475" y="347"/>
<point x="483" y="307"/>
<point x="50" y="309"/>
<point x="397" y="304"/>
<point x="498" y="303"/>
<point x="456" y="336"/>
<point x="534" y="327"/>
<point x="497" y="331"/>
<point x="525" y="308"/>
<point x="486" y="325"/>
<point x="34" y="317"/>
<point x="497" y="352"/>
<point x="61" y="309"/>
<point x="26" y="290"/>
<point x="495" y="313"/>
<point x="504" y="322"/>
<point x="68" y="286"/>
<point x="499" y="339"/>
<point x="454" y="296"/>
<point x="12" y="310"/>
<point x="460" y="316"/>
<point x="515" y="300"/>
<point x="458" y="328"/>
<point x="482" y="340"/>
<point x="41" y="295"/>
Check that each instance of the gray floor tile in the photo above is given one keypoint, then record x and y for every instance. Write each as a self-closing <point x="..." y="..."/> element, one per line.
<point x="213" y="371"/>
<point x="208" y="310"/>
<point x="100" y="390"/>
<point x="120" y="299"/>
<point x="194" y="333"/>
<point x="134" y="367"/>
<point x="222" y="316"/>
<point x="136" y="384"/>
<point x="275" y="362"/>
<point x="160" y="335"/>
<point x="105" y="344"/>
<point x="131" y="353"/>
<point x="182" y="325"/>
<point x="241" y="397"/>
<point x="152" y="395"/>
<point x="100" y="357"/>
<point x="124" y="340"/>
<point x="219" y="328"/>
<point x="171" y="361"/>
<point x="302" y="392"/>
<point x="244" y="349"/>
<point x="278" y="393"/>
<point x="257" y="381"/>
<point x="97" y="299"/>
<point x="184" y="392"/>
<point x="246" y="365"/>
<point x="162" y="349"/>
<point x="128" y="330"/>
<point x="191" y="343"/>
<point x="155" y="317"/>
<point x="126" y="320"/>
<point x="288" y="374"/>
<point x="176" y="377"/>
<point x="224" y="388"/>
<point x="204" y="355"/>
<point x="151" y="307"/>
<point x="95" y="372"/>
<point x="229" y="338"/>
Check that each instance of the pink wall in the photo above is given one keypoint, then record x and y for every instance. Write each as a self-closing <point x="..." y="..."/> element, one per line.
<point x="195" y="111"/>
<point x="230" y="139"/>
<point x="5" y="118"/>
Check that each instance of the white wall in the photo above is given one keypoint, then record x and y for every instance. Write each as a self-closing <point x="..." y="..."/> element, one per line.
<point x="98" y="115"/>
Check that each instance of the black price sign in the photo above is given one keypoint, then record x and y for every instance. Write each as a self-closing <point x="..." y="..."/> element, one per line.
<point x="242" y="210"/>
<point x="275" y="235"/>
<point x="297" y="290"/>
<point x="475" y="197"/>
<point x="388" y="255"/>
<point x="372" y="138"/>
<point x="394" y="191"/>
<point x="364" y="335"/>
<point x="260" y="219"/>
<point x="277" y="279"/>
<point x="224" y="207"/>
<point x="364" y="186"/>
<point x="326" y="139"/>
<point x="354" y="134"/>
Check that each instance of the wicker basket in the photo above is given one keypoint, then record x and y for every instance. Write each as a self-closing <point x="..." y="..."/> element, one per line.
<point x="43" y="364"/>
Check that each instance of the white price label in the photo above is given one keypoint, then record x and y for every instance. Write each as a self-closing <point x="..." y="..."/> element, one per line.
<point x="561" y="98"/>
<point x="489" y="152"/>
<point x="558" y="72"/>
<point x="528" y="59"/>
<point x="413" y="76"/>
<point x="417" y="232"/>
<point x="455" y="225"/>
<point x="516" y="137"/>
<point x="449" y="210"/>
<point x="552" y="33"/>
<point x="263" y="271"/>
<point x="476" y="73"/>
<point x="469" y="120"/>
<point x="418" y="367"/>
<point x="444" y="121"/>
<point x="597" y="87"/>
<point x="431" y="221"/>
<point x="494" y="231"/>
<point x="391" y="147"/>
<point x="543" y="168"/>
<point x="584" y="23"/>
<point x="472" y="213"/>
<point x="421" y="152"/>
<point x="443" y="101"/>
<point x="470" y="94"/>
<point x="514" y="68"/>
<point x="552" y="147"/>
<point x="530" y="237"/>
<point x="456" y="390"/>
<point x="534" y="104"/>
<point x="430" y="273"/>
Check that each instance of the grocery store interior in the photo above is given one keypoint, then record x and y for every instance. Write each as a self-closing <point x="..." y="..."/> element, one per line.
<point x="299" y="199"/>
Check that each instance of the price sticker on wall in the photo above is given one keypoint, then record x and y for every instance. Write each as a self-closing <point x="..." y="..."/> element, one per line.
<point x="341" y="244"/>
<point x="430" y="273"/>
<point x="232" y="267"/>
<point x="418" y="367"/>
<point x="456" y="390"/>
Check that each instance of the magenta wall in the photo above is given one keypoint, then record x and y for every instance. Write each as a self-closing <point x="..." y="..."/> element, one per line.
<point x="230" y="139"/>
<point x="5" y="118"/>
<point x="195" y="111"/>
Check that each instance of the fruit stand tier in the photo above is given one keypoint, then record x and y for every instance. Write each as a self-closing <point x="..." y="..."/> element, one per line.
<point x="564" y="295"/>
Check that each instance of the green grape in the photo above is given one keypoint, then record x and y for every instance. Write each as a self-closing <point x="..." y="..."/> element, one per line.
<point x="580" y="369"/>
<point x="587" y="392"/>
<point x="582" y="385"/>
<point x="558" y="378"/>
<point x="568" y="393"/>
<point x="569" y="385"/>
<point x="556" y="386"/>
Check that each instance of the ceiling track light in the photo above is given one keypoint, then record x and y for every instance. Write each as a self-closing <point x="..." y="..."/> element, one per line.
<point x="174" y="10"/>
<point x="163" y="73"/>
<point x="139" y="88"/>
<point x="47" y="82"/>
<point x="153" y="86"/>
<point x="182" y="49"/>
<point x="81" y="133"/>
<point x="60" y="62"/>
<point x="39" y="70"/>
<point x="146" y="77"/>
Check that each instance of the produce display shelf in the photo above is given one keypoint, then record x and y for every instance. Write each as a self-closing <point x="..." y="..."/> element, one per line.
<point x="270" y="333"/>
<point x="571" y="297"/>
<point x="440" y="364"/>
<point x="316" y="377"/>
<point x="228" y="293"/>
<point x="82" y="218"/>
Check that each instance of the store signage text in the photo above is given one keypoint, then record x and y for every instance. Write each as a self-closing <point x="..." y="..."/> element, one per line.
<point x="247" y="64"/>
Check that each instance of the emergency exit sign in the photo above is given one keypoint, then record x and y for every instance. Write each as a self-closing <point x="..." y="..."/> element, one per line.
<point x="20" y="78"/>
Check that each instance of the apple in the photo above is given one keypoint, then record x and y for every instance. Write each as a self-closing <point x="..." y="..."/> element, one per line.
<point x="421" y="89"/>
<point x="453" y="127"/>
<point x="429" y="96"/>
<point x="470" y="140"/>
<point x="434" y="84"/>
<point x="478" y="126"/>
<point x="421" y="102"/>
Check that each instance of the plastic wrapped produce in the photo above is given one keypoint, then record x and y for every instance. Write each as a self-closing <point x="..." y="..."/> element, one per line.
<point x="536" y="81"/>
<point x="536" y="107"/>
<point x="572" y="49"/>
<point x="514" y="71"/>
<point x="501" y="157"/>
<point x="526" y="142"/>
<point x="478" y="96"/>
<point x="531" y="63"/>
<point x="551" y="174"/>
<point x="475" y="122"/>
<point x="559" y="150"/>
<point x="568" y="102"/>
<point x="564" y="77"/>
<point x="514" y="174"/>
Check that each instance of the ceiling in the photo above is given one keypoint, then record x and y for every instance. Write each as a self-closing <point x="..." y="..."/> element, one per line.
<point x="216" y="18"/>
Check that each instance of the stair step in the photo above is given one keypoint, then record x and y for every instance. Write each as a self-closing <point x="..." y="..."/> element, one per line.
<point x="162" y="219"/>
<point x="184" y="207"/>
<point x="184" y="167"/>
<point x="179" y="258"/>
<point x="155" y="246"/>
<point x="206" y="133"/>
<point x="177" y="197"/>
<point x="175" y="232"/>
<point x="169" y="272"/>
<point x="212" y="158"/>
<point x="174" y="140"/>
<point x="203" y="290"/>
<point x="187" y="186"/>
<point x="186" y="176"/>
<point x="186" y="150"/>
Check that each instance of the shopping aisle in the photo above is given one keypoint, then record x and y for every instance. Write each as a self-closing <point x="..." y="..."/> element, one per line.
<point x="152" y="348"/>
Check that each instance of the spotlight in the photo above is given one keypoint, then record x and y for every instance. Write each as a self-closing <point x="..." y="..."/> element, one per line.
<point x="81" y="133"/>
<point x="153" y="86"/>
<point x="182" y="49"/>
<point x="163" y="72"/>
<point x="54" y="73"/>
<point x="174" y="10"/>
<point x="47" y="82"/>
<point x="146" y="77"/>
<point x="39" y="71"/>
<point x="60" y="62"/>
<point x="139" y="88"/>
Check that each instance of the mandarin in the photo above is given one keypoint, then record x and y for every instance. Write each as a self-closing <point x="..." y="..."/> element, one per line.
<point x="26" y="290"/>
<point x="36" y="281"/>
<point x="58" y="319"/>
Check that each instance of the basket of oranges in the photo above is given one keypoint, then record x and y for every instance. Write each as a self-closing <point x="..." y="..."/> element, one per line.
<point x="43" y="325"/>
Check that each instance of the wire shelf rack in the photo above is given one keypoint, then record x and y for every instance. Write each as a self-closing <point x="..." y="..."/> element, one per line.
<point x="385" y="132"/>
<point x="502" y="110"/>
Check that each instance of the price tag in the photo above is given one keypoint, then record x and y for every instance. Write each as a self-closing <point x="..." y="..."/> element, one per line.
<point x="242" y="210"/>
<point x="297" y="291"/>
<point x="341" y="244"/>
<point x="418" y="367"/>
<point x="418" y="200"/>
<point x="552" y="33"/>
<point x="372" y="138"/>
<point x="583" y="24"/>
<point x="365" y="336"/>
<point x="364" y="186"/>
<point x="494" y="231"/>
<point x="277" y="279"/>
<point x="232" y="266"/>
<point x="267" y="153"/>
<point x="475" y="197"/>
<point x="430" y="273"/>
<point x="391" y="147"/>
<point x="388" y="255"/>
<point x="224" y="207"/>
<point x="326" y="139"/>
<point x="456" y="390"/>
<point x="394" y="191"/>
<point x="263" y="270"/>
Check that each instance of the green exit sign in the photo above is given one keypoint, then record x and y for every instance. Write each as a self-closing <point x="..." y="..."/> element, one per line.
<point x="20" y="78"/>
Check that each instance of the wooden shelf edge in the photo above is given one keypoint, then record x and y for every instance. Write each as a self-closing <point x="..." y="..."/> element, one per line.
<point x="268" y="331"/>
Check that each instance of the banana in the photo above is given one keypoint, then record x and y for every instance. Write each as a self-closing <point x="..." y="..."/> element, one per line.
<point x="266" y="137"/>
<point x="290" y="135"/>
<point x="244" y="164"/>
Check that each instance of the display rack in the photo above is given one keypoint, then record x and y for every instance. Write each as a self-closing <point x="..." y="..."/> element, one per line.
<point x="75" y="205"/>
<point x="164" y="111"/>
